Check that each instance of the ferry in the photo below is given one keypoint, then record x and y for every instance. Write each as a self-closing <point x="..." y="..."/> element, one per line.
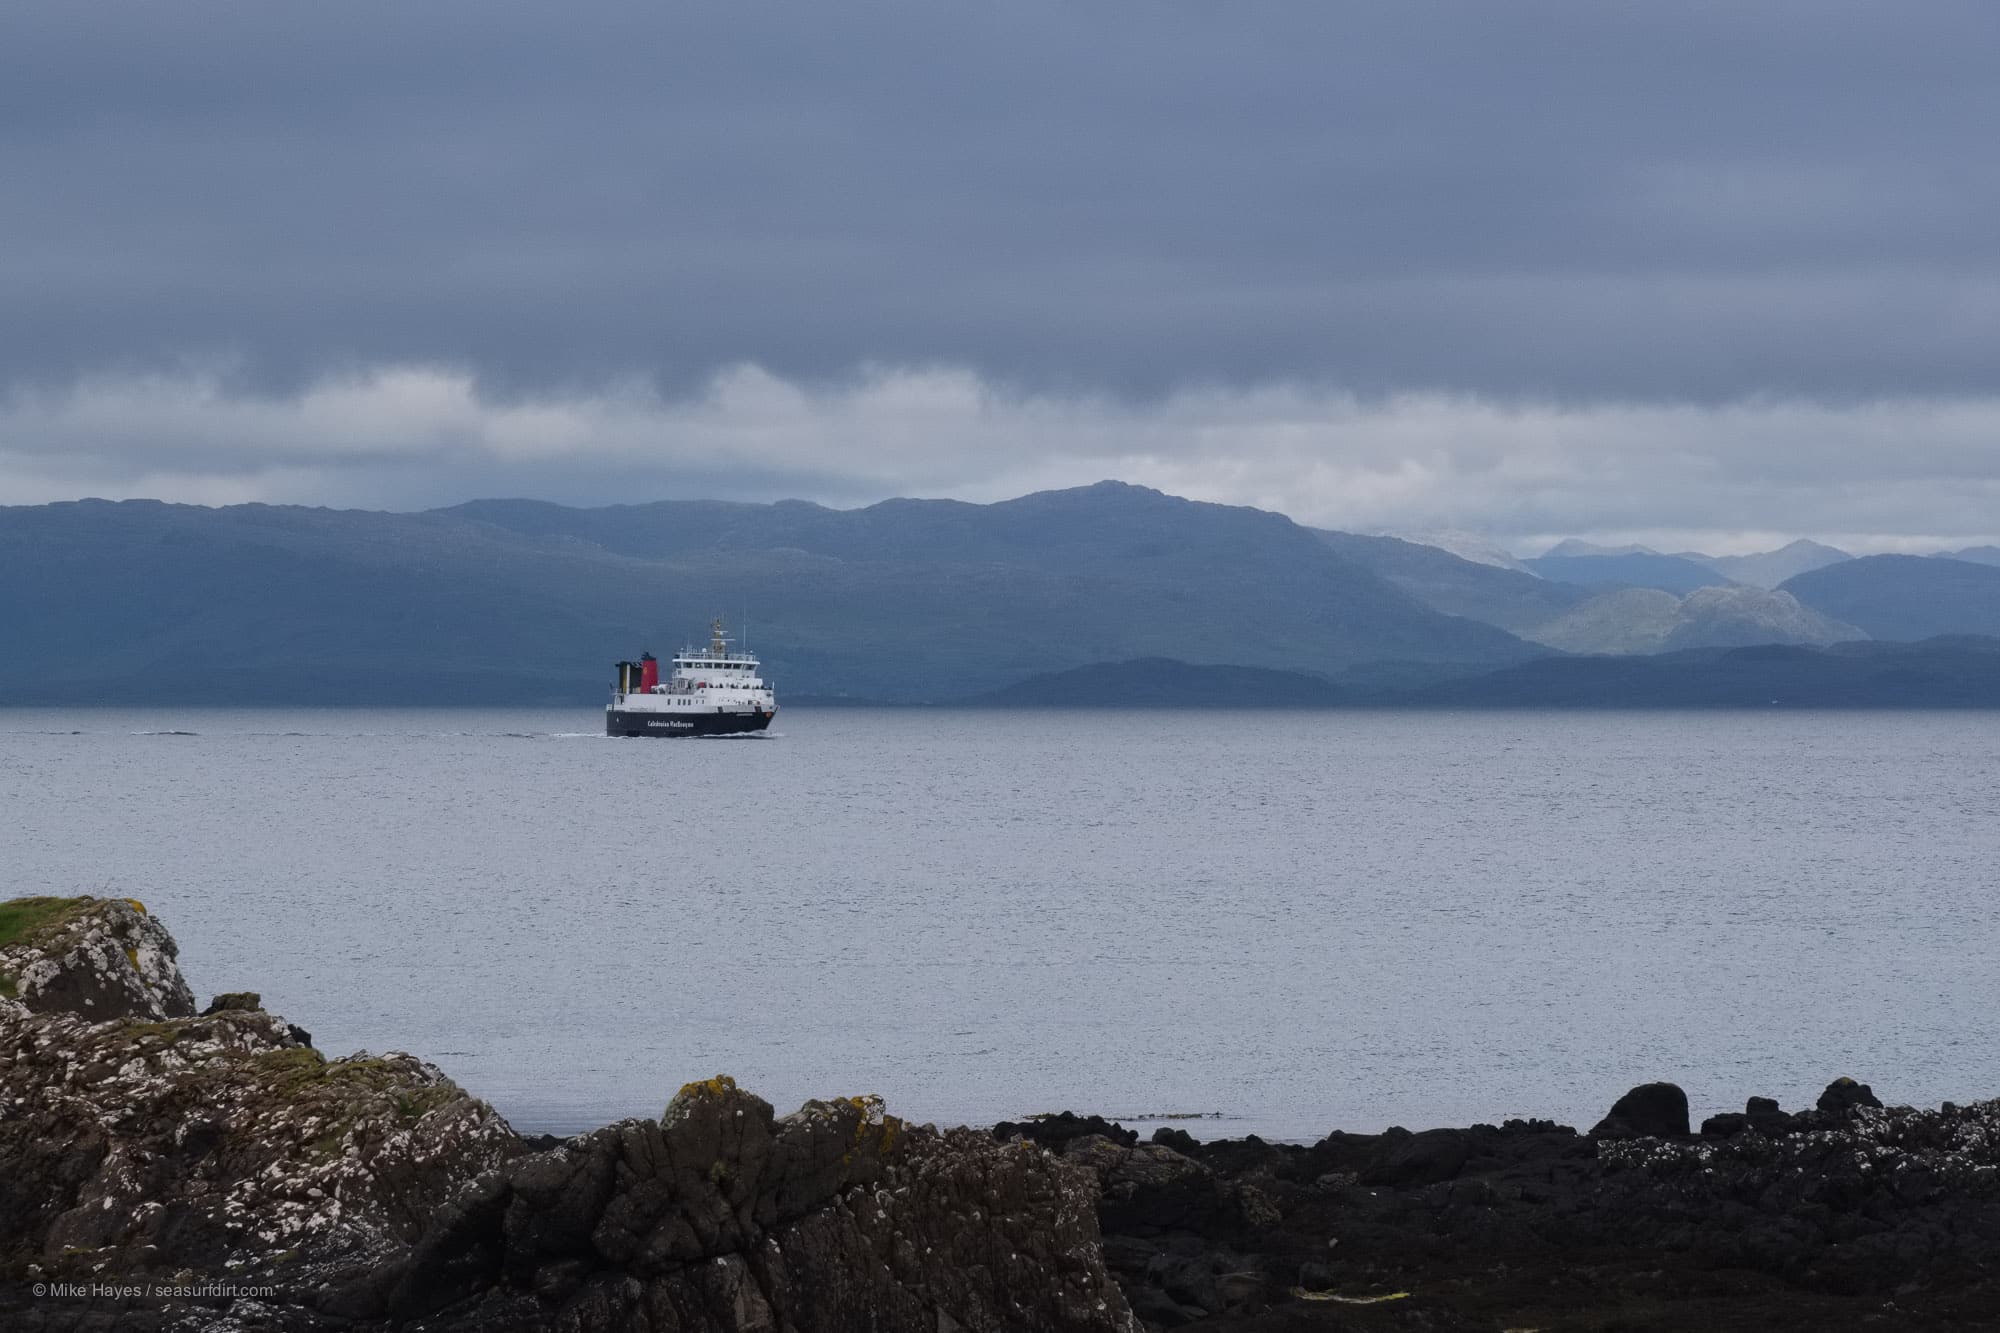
<point x="710" y="692"/>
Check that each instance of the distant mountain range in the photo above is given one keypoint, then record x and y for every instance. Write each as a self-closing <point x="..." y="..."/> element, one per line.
<point x="505" y="601"/>
<point x="1682" y="571"/>
<point x="1581" y="614"/>
<point x="516" y="601"/>
<point x="1939" y="673"/>
<point x="1575" y="561"/>
<point x="1585" y="598"/>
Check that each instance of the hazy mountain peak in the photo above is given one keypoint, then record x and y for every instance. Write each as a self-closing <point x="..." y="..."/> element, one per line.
<point x="1767" y="569"/>
<point x="1576" y="546"/>
<point x="1807" y="546"/>
<point x="1467" y="546"/>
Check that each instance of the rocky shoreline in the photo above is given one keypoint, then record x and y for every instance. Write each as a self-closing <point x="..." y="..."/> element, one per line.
<point x="168" y="1169"/>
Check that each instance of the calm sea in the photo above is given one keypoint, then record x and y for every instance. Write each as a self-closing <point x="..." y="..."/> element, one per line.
<point x="1301" y="921"/>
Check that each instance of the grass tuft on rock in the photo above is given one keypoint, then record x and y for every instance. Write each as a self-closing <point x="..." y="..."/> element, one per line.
<point x="23" y="918"/>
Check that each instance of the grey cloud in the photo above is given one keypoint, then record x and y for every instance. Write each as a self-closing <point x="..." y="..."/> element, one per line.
<point x="1896" y="473"/>
<point x="1573" y="201"/>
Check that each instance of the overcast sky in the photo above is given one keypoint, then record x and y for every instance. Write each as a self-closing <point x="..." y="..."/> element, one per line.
<point x="1697" y="273"/>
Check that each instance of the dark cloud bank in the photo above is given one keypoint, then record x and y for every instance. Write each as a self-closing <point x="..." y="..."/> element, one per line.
<point x="1322" y="217"/>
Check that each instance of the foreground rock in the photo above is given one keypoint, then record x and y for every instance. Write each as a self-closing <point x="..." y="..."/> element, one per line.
<point x="1848" y="1215"/>
<point x="142" y="1143"/>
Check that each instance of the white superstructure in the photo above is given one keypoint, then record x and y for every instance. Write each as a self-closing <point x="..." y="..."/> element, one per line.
<point x="707" y="690"/>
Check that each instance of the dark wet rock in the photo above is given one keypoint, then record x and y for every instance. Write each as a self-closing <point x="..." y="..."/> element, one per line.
<point x="836" y="1217"/>
<point x="1844" y="1094"/>
<point x="1148" y="1188"/>
<point x="1055" y="1132"/>
<point x="1418" y="1159"/>
<point x="242" y="1001"/>
<point x="1179" y="1140"/>
<point x="1723" y="1125"/>
<point x="1761" y="1114"/>
<point x="1649" y="1111"/>
<point x="1827" y="1219"/>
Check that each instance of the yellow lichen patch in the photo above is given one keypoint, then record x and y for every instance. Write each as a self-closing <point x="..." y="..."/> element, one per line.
<point x="718" y="1086"/>
<point x="137" y="906"/>
<point x="132" y="957"/>
<point x="876" y="1124"/>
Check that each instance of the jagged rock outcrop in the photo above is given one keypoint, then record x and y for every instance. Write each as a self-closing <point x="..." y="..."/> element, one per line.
<point x="102" y="957"/>
<point x="720" y="1216"/>
<point x="372" y="1193"/>
<point x="140" y="1140"/>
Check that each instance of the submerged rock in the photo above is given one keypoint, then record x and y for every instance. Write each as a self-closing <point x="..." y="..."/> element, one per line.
<point x="1055" y="1132"/>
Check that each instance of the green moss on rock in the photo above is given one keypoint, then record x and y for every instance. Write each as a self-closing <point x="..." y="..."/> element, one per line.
<point x="22" y="919"/>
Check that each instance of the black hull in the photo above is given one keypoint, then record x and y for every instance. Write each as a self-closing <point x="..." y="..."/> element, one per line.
<point x="619" y="722"/>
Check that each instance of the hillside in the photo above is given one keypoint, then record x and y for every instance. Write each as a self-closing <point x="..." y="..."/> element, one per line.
<point x="1158" y="682"/>
<point x="1631" y="568"/>
<point x="1581" y="618"/>
<point x="1905" y="597"/>
<point x="1509" y="598"/>
<point x="1623" y="620"/>
<point x="1647" y="620"/>
<point x="513" y="601"/>
<point x="1961" y="672"/>
<point x="1940" y="673"/>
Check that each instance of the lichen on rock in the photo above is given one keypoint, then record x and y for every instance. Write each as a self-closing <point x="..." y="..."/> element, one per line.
<point x="105" y="957"/>
<point x="140" y="1140"/>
